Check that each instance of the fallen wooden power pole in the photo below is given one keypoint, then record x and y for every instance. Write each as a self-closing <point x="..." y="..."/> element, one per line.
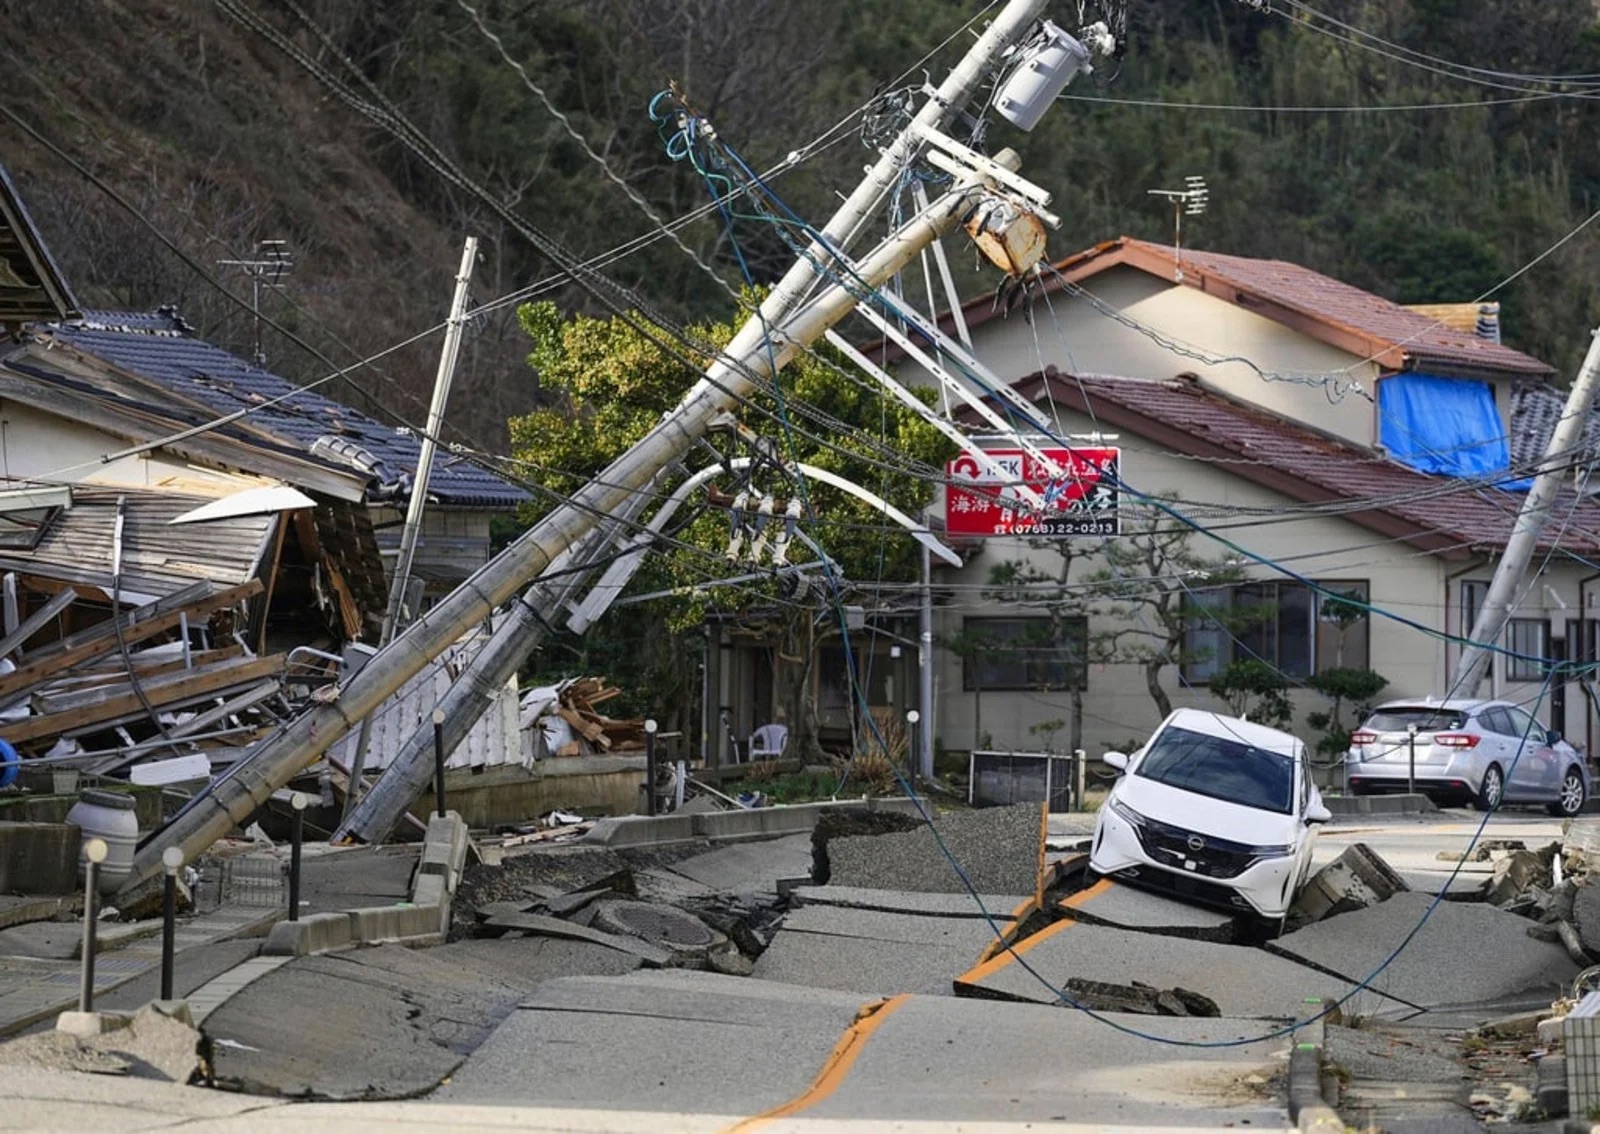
<point x="766" y="343"/>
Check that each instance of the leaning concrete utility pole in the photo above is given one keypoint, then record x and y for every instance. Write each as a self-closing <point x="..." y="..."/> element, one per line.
<point x="1558" y="457"/>
<point x="525" y="625"/>
<point x="419" y="492"/>
<point x="763" y="346"/>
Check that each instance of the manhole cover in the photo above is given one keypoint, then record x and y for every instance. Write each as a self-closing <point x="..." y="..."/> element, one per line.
<point x="662" y="924"/>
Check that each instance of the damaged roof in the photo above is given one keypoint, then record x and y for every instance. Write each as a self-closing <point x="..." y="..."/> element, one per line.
<point x="1439" y="514"/>
<point x="1535" y="410"/>
<point x="76" y="546"/>
<point x="160" y="348"/>
<point x="32" y="288"/>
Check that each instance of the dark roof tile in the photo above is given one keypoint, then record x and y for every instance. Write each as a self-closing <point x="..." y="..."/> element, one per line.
<point x="159" y="347"/>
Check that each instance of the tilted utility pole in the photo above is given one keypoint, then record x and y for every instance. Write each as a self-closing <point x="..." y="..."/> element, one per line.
<point x="1564" y="443"/>
<point x="767" y="342"/>
<point x="448" y="354"/>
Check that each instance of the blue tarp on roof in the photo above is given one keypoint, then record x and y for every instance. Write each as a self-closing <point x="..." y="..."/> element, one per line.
<point x="158" y="347"/>
<point x="1445" y="426"/>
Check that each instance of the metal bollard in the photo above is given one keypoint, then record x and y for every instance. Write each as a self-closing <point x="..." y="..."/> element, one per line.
<point x="438" y="758"/>
<point x="650" y="766"/>
<point x="912" y="717"/>
<point x="94" y="853"/>
<point x="298" y="802"/>
<point x="171" y="862"/>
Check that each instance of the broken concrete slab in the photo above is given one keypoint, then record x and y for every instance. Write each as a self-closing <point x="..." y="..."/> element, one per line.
<point x="1465" y="953"/>
<point x="547" y="926"/>
<point x="749" y="865"/>
<point x="1001" y="907"/>
<point x="524" y="962"/>
<point x="1126" y="907"/>
<point x="1000" y="850"/>
<point x="1243" y="981"/>
<point x="156" y="1042"/>
<point x="1586" y="914"/>
<point x="537" y="875"/>
<point x="63" y="940"/>
<point x="872" y="952"/>
<point x="1019" y="1066"/>
<point x="406" y="1019"/>
<point x="664" y="1041"/>
<point x="1358" y="878"/>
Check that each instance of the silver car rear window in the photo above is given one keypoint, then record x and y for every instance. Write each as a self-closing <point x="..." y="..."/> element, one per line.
<point x="1427" y="718"/>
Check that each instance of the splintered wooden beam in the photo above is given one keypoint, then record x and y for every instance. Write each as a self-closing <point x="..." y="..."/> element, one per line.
<point x="104" y="638"/>
<point x="110" y="703"/>
<point x="51" y="692"/>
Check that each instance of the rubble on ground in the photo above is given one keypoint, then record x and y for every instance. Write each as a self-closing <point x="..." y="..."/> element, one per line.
<point x="566" y="722"/>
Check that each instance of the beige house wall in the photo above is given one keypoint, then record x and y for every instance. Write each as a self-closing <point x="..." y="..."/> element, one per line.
<point x="1117" y="706"/>
<point x="43" y="446"/>
<point x="1074" y="336"/>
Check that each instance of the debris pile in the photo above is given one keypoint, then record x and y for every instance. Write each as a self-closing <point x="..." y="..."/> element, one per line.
<point x="593" y="894"/>
<point x="566" y="721"/>
<point x="144" y="693"/>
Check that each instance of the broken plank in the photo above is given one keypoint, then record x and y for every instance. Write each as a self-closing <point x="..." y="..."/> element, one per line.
<point x="35" y="669"/>
<point x="237" y="704"/>
<point x="69" y="684"/>
<point x="107" y="704"/>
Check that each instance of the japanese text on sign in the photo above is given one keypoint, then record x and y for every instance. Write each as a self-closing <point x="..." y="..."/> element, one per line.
<point x="1078" y="498"/>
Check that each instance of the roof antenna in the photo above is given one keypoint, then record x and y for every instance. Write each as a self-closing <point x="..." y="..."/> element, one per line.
<point x="1188" y="201"/>
<point x="271" y="264"/>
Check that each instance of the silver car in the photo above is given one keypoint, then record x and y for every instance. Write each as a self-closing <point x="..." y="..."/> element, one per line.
<point x="1483" y="752"/>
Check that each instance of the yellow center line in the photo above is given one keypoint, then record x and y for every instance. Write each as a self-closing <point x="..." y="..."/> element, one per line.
<point x="1001" y="960"/>
<point x="834" y="1069"/>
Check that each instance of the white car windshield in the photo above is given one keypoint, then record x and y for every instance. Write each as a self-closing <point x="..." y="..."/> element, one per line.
<point x="1223" y="769"/>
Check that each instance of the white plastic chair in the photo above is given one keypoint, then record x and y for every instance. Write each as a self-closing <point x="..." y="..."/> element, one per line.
<point x="767" y="742"/>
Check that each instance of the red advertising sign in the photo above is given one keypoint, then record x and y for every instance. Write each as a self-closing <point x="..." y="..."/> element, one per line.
<point x="1081" y="500"/>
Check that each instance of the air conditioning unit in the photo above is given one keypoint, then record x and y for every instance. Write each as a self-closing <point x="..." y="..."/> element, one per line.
<point x="995" y="779"/>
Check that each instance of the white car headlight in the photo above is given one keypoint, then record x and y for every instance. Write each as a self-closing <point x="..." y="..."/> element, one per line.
<point x="1127" y="812"/>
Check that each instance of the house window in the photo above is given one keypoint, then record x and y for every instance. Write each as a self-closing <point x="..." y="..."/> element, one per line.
<point x="1528" y="639"/>
<point x="872" y="675"/>
<point x="1297" y="629"/>
<point x="1025" y="653"/>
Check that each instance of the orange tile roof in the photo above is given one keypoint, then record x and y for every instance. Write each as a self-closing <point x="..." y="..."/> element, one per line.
<point x="1317" y="305"/>
<point x="1447" y="516"/>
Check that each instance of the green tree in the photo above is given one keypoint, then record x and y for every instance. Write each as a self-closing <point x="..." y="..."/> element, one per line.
<point x="1252" y="688"/>
<point x="1144" y="590"/>
<point x="610" y="385"/>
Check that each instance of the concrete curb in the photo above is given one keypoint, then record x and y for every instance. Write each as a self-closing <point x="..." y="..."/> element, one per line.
<point x="753" y="823"/>
<point x="423" y="921"/>
<point x="1378" y="804"/>
<point x="1307" y="1108"/>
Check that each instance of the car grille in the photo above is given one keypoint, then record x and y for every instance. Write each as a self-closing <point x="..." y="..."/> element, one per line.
<point x="1216" y="858"/>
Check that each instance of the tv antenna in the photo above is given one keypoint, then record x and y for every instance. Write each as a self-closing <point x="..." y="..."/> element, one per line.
<point x="1189" y="201"/>
<point x="272" y="262"/>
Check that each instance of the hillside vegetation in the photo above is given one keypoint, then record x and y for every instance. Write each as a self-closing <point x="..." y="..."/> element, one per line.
<point x="152" y="140"/>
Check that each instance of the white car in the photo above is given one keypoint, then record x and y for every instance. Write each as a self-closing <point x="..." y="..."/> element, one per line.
<point x="1215" y="809"/>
